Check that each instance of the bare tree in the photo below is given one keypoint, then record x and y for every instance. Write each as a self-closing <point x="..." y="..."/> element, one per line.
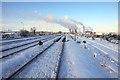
<point x="33" y="30"/>
<point x="24" y="33"/>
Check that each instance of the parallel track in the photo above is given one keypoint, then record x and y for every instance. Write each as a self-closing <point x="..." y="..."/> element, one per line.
<point x="14" y="50"/>
<point x="61" y="39"/>
<point x="17" y="41"/>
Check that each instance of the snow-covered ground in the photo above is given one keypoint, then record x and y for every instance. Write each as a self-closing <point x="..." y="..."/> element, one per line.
<point x="21" y="39"/>
<point x="98" y="60"/>
<point x="4" y="47"/>
<point x="11" y="65"/>
<point x="102" y="44"/>
<point x="17" y="49"/>
<point x="106" y="44"/>
<point x="45" y="65"/>
<point x="78" y="62"/>
<point x="103" y="52"/>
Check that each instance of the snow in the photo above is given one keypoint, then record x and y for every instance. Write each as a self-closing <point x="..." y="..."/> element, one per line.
<point x="45" y="65"/>
<point x="17" y="44"/>
<point x="20" y="48"/>
<point x="106" y="44"/>
<point x="78" y="62"/>
<point x="103" y="52"/>
<point x="98" y="60"/>
<point x="16" y="49"/>
<point x="109" y="62"/>
<point x="102" y="43"/>
<point x="23" y="39"/>
<point x="4" y="47"/>
<point x="11" y="65"/>
<point x="112" y="53"/>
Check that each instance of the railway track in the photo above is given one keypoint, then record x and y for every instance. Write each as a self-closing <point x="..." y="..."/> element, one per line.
<point x="16" y="49"/>
<point x="6" y="42"/>
<point x="10" y="46"/>
<point x="43" y="55"/>
<point x="17" y="41"/>
<point x="102" y="54"/>
<point x="104" y="58"/>
<point x="20" y="64"/>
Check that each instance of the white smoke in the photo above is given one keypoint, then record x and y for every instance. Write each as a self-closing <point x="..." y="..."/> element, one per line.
<point x="77" y="22"/>
<point x="87" y="28"/>
<point x="65" y="22"/>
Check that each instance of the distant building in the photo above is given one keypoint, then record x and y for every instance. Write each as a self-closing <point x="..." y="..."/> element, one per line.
<point x="10" y="34"/>
<point x="88" y="33"/>
<point x="73" y="30"/>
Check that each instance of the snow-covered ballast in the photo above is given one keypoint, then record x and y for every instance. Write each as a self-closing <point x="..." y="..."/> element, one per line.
<point x="15" y="64"/>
